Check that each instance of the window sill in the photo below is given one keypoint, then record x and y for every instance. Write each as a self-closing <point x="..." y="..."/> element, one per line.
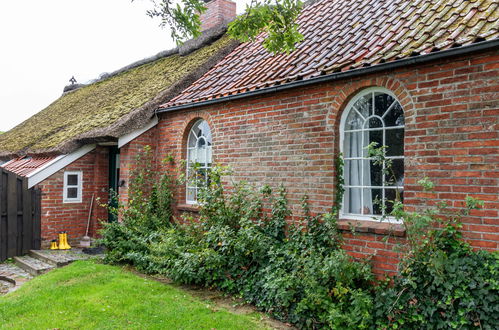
<point x="188" y="207"/>
<point x="373" y="227"/>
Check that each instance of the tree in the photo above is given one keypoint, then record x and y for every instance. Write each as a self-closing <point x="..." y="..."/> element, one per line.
<point x="275" y="18"/>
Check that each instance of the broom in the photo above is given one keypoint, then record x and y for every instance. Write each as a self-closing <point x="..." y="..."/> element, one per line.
<point x="85" y="241"/>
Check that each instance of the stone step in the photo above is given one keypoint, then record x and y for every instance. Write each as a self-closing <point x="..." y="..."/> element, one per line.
<point x="32" y="265"/>
<point x="58" y="258"/>
<point x="12" y="277"/>
<point x="48" y="258"/>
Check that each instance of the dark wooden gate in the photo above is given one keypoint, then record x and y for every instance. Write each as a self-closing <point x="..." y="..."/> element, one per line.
<point x="19" y="216"/>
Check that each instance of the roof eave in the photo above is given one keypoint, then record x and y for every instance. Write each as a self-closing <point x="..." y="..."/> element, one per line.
<point x="420" y="59"/>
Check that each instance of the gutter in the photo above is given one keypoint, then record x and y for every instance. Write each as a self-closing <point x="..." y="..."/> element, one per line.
<point x="420" y="59"/>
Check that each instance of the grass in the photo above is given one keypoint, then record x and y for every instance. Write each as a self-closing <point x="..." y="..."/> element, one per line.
<point x="88" y="295"/>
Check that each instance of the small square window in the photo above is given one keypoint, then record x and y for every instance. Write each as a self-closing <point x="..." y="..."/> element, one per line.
<point x="72" y="187"/>
<point x="72" y="192"/>
<point x="72" y="180"/>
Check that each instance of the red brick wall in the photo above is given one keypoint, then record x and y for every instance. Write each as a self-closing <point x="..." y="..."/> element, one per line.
<point x="218" y="12"/>
<point x="292" y="137"/>
<point x="128" y="158"/>
<point x="72" y="217"/>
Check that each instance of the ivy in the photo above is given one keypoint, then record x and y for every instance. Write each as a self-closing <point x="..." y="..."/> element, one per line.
<point x="244" y="244"/>
<point x="442" y="282"/>
<point x="340" y="184"/>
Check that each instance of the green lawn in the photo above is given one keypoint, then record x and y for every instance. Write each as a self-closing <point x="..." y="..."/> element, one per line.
<point x="87" y="295"/>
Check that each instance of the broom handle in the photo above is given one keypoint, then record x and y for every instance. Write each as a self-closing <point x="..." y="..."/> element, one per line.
<point x="90" y="214"/>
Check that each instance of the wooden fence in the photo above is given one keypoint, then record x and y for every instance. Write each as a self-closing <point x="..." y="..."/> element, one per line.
<point x="19" y="216"/>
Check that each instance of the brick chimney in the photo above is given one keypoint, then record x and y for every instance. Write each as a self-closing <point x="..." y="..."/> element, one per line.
<point x="218" y="12"/>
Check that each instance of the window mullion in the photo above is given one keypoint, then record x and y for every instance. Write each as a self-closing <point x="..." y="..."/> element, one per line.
<point x="362" y="175"/>
<point x="389" y="109"/>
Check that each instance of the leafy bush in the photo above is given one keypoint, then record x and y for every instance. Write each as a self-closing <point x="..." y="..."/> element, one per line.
<point x="298" y="272"/>
<point x="442" y="282"/>
<point x="147" y="212"/>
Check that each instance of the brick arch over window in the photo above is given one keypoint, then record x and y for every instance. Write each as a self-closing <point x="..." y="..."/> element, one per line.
<point x="348" y="91"/>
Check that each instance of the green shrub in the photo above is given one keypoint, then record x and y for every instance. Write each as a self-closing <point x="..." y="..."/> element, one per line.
<point x="148" y="211"/>
<point x="298" y="272"/>
<point x="443" y="284"/>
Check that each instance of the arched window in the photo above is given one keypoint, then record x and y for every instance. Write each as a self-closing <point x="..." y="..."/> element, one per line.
<point x="374" y="115"/>
<point x="198" y="159"/>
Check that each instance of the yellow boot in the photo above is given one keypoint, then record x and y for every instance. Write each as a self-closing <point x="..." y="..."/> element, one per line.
<point x="66" y="240"/>
<point x="53" y="245"/>
<point x="63" y="243"/>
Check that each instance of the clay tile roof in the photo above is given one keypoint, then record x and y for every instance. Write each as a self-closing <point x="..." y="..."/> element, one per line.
<point x="24" y="166"/>
<point x="343" y="35"/>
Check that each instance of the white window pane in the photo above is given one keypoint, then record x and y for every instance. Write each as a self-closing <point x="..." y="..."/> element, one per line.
<point x="394" y="142"/>
<point x="394" y="117"/>
<point x="364" y="105"/>
<point x="205" y="130"/>
<point x="191" y="194"/>
<point x="382" y="102"/>
<point x="208" y="153"/>
<point x="72" y="192"/>
<point x="201" y="155"/>
<point x="354" y="121"/>
<point x="391" y="195"/>
<point x="72" y="179"/>
<point x="373" y="174"/>
<point x="352" y="204"/>
<point x="192" y="140"/>
<point x="396" y="174"/>
<point x="352" y="172"/>
<point x="353" y="144"/>
<point x="191" y="155"/>
<point x="373" y="199"/>
<point x="370" y="137"/>
<point x="374" y="122"/>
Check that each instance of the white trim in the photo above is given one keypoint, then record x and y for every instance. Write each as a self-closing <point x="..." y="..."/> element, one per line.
<point x="205" y="166"/>
<point x="344" y="115"/>
<point x="132" y="135"/>
<point x="79" y="186"/>
<point x="57" y="164"/>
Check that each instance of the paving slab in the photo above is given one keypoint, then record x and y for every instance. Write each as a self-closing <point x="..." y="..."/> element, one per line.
<point x="12" y="277"/>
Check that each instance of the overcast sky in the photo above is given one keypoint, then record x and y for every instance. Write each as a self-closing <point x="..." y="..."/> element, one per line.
<point x="45" y="42"/>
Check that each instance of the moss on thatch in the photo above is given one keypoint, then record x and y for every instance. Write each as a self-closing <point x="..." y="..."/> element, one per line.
<point x="104" y="108"/>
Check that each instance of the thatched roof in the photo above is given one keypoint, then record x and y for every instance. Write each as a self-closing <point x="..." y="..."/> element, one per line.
<point x="117" y="103"/>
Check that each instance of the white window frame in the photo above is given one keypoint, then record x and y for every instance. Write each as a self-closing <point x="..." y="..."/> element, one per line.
<point x="206" y="166"/>
<point x="79" y="197"/>
<point x="344" y="116"/>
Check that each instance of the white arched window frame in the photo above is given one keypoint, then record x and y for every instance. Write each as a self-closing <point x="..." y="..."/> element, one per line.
<point x="373" y="115"/>
<point x="199" y="159"/>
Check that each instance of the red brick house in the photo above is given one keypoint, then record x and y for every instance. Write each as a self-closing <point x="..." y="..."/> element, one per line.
<point x="77" y="149"/>
<point x="420" y="77"/>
